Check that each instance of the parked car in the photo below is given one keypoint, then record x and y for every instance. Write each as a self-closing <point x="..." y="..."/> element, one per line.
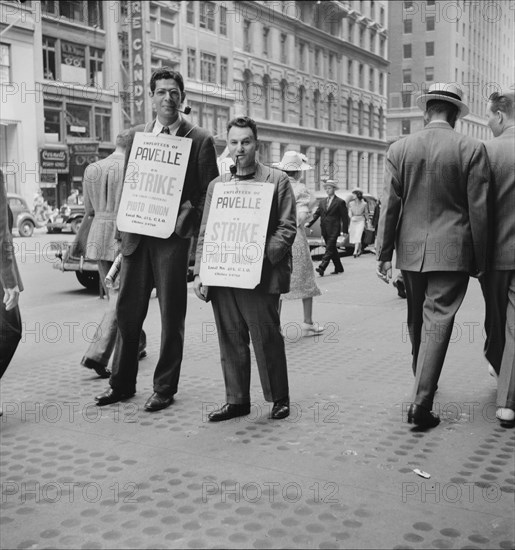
<point x="314" y="234"/>
<point x="23" y="218"/>
<point x="69" y="217"/>
<point x="72" y="258"/>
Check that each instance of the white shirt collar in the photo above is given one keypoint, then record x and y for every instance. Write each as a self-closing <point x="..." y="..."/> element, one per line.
<point x="158" y="127"/>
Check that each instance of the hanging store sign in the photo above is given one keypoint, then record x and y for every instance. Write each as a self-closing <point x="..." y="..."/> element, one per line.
<point x="137" y="85"/>
<point x="53" y="160"/>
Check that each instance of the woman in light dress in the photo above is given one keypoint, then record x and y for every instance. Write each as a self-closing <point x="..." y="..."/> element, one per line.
<point x="302" y="286"/>
<point x="359" y="214"/>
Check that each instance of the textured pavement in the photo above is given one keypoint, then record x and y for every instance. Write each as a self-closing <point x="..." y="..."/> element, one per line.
<point x="337" y="474"/>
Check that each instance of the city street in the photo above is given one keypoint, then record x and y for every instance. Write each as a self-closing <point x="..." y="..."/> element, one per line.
<point x="338" y="473"/>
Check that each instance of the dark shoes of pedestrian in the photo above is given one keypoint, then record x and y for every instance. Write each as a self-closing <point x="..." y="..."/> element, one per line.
<point x="336" y="271"/>
<point x="101" y="370"/>
<point x="320" y="271"/>
<point x="281" y="409"/>
<point x="401" y="290"/>
<point x="229" y="411"/>
<point x="422" y="417"/>
<point x="158" y="401"/>
<point x="112" y="396"/>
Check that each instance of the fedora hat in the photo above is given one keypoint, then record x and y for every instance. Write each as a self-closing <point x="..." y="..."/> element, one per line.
<point x="292" y="162"/>
<point x="330" y="183"/>
<point x="451" y="93"/>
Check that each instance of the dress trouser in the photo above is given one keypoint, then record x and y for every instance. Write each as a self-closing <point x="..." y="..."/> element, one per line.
<point x="101" y="348"/>
<point x="433" y="299"/>
<point x="162" y="263"/>
<point x="506" y="380"/>
<point x="10" y="333"/>
<point x="495" y="285"/>
<point x="239" y="312"/>
<point x="331" y="253"/>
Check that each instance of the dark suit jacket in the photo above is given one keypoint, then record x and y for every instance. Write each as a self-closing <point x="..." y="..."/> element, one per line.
<point x="501" y="152"/>
<point x="202" y="168"/>
<point x="434" y="204"/>
<point x="281" y="232"/>
<point x="333" y="221"/>
<point x="9" y="274"/>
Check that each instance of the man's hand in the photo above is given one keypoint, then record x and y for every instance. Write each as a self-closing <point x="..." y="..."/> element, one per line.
<point x="199" y="288"/>
<point x="11" y="296"/>
<point x="384" y="271"/>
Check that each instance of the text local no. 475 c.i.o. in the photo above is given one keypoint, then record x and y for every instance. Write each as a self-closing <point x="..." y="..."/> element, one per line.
<point x="235" y="236"/>
<point x="153" y="184"/>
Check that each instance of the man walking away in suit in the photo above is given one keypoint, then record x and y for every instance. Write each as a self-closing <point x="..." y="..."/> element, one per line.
<point x="434" y="213"/>
<point x="163" y="263"/>
<point x="102" y="186"/>
<point x="240" y="312"/>
<point x="10" y="286"/>
<point x="334" y="221"/>
<point x="499" y="281"/>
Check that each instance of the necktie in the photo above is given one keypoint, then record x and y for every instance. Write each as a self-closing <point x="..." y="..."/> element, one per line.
<point x="328" y="202"/>
<point x="165" y="130"/>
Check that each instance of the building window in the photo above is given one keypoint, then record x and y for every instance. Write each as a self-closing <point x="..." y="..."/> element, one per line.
<point x="381" y="123"/>
<point x="371" y="121"/>
<point x="247" y="39"/>
<point x="372" y="41"/>
<point x="302" y="49"/>
<point x="53" y="118"/>
<point x="247" y="90"/>
<point x="5" y="64"/>
<point x="73" y="63"/>
<point x="351" y="31"/>
<point x="284" y="46"/>
<point x="224" y="71"/>
<point x="350" y="115"/>
<point x="381" y="83"/>
<point x="192" y="63"/>
<point x="266" y="92"/>
<point x="332" y="169"/>
<point x="49" y="65"/>
<point x="96" y="64"/>
<point x="78" y="120"/>
<point x="430" y="74"/>
<point x="406" y="51"/>
<point x="318" y="164"/>
<point x="190" y="13"/>
<point x="102" y="124"/>
<point x="317" y="61"/>
<point x="405" y="126"/>
<point x="381" y="18"/>
<point x="361" y="82"/>
<point x="302" y="96"/>
<point x="207" y="67"/>
<point x="383" y="46"/>
<point x="430" y="23"/>
<point x="361" y="37"/>
<point x="408" y="5"/>
<point x="330" y="112"/>
<point x="371" y="86"/>
<point x="361" y="118"/>
<point x="264" y="152"/>
<point x="406" y="75"/>
<point x="84" y="12"/>
<point x="316" y="108"/>
<point x="408" y="26"/>
<point x="349" y="72"/>
<point x="266" y="33"/>
<point x="430" y="48"/>
<point x="349" y="167"/>
<point x="331" y="66"/>
<point x="207" y="16"/>
<point x="406" y="99"/>
<point x="223" y="20"/>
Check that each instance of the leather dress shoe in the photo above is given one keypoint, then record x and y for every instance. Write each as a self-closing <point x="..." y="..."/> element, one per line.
<point x="401" y="289"/>
<point x="112" y="396"/>
<point x="229" y="411"/>
<point x="158" y="401"/>
<point x="281" y="409"/>
<point x="320" y="271"/>
<point x="101" y="370"/>
<point x="422" y="417"/>
<point x="336" y="271"/>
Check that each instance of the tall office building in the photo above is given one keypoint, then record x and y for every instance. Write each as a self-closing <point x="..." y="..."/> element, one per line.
<point x="468" y="43"/>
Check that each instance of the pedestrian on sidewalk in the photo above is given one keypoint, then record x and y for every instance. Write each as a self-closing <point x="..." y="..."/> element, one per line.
<point x="334" y="221"/>
<point x="239" y="312"/>
<point x="102" y="185"/>
<point x="10" y="286"/>
<point x="359" y="215"/>
<point x="302" y="285"/>
<point x="163" y="263"/>
<point x="434" y="213"/>
<point x="499" y="282"/>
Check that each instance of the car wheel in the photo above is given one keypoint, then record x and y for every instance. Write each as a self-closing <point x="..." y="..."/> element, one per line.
<point x="74" y="226"/>
<point x="26" y="228"/>
<point x="88" y="279"/>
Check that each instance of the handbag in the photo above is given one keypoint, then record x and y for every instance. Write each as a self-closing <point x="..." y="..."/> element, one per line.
<point x="368" y="236"/>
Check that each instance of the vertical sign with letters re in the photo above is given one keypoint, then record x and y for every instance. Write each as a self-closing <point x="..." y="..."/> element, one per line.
<point x="137" y="86"/>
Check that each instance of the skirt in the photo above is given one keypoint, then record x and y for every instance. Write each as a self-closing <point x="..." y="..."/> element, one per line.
<point x="356" y="228"/>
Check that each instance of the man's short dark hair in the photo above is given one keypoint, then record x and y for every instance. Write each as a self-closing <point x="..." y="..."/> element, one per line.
<point x="167" y="73"/>
<point x="450" y="110"/>
<point x="122" y="139"/>
<point x="243" y="122"/>
<point x="502" y="102"/>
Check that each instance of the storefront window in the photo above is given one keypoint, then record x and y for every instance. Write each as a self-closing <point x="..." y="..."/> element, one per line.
<point x="77" y="120"/>
<point x="53" y="120"/>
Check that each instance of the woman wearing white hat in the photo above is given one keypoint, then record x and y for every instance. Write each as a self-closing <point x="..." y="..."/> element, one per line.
<point x="303" y="286"/>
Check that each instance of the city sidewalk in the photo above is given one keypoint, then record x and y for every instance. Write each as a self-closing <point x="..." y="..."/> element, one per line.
<point x="338" y="473"/>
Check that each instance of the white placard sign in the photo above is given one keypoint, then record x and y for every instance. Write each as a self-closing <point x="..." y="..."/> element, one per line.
<point x="153" y="184"/>
<point x="234" y="241"/>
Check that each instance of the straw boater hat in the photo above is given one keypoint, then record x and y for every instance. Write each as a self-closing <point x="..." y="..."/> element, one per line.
<point x="331" y="183"/>
<point x="293" y="162"/>
<point x="444" y="92"/>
